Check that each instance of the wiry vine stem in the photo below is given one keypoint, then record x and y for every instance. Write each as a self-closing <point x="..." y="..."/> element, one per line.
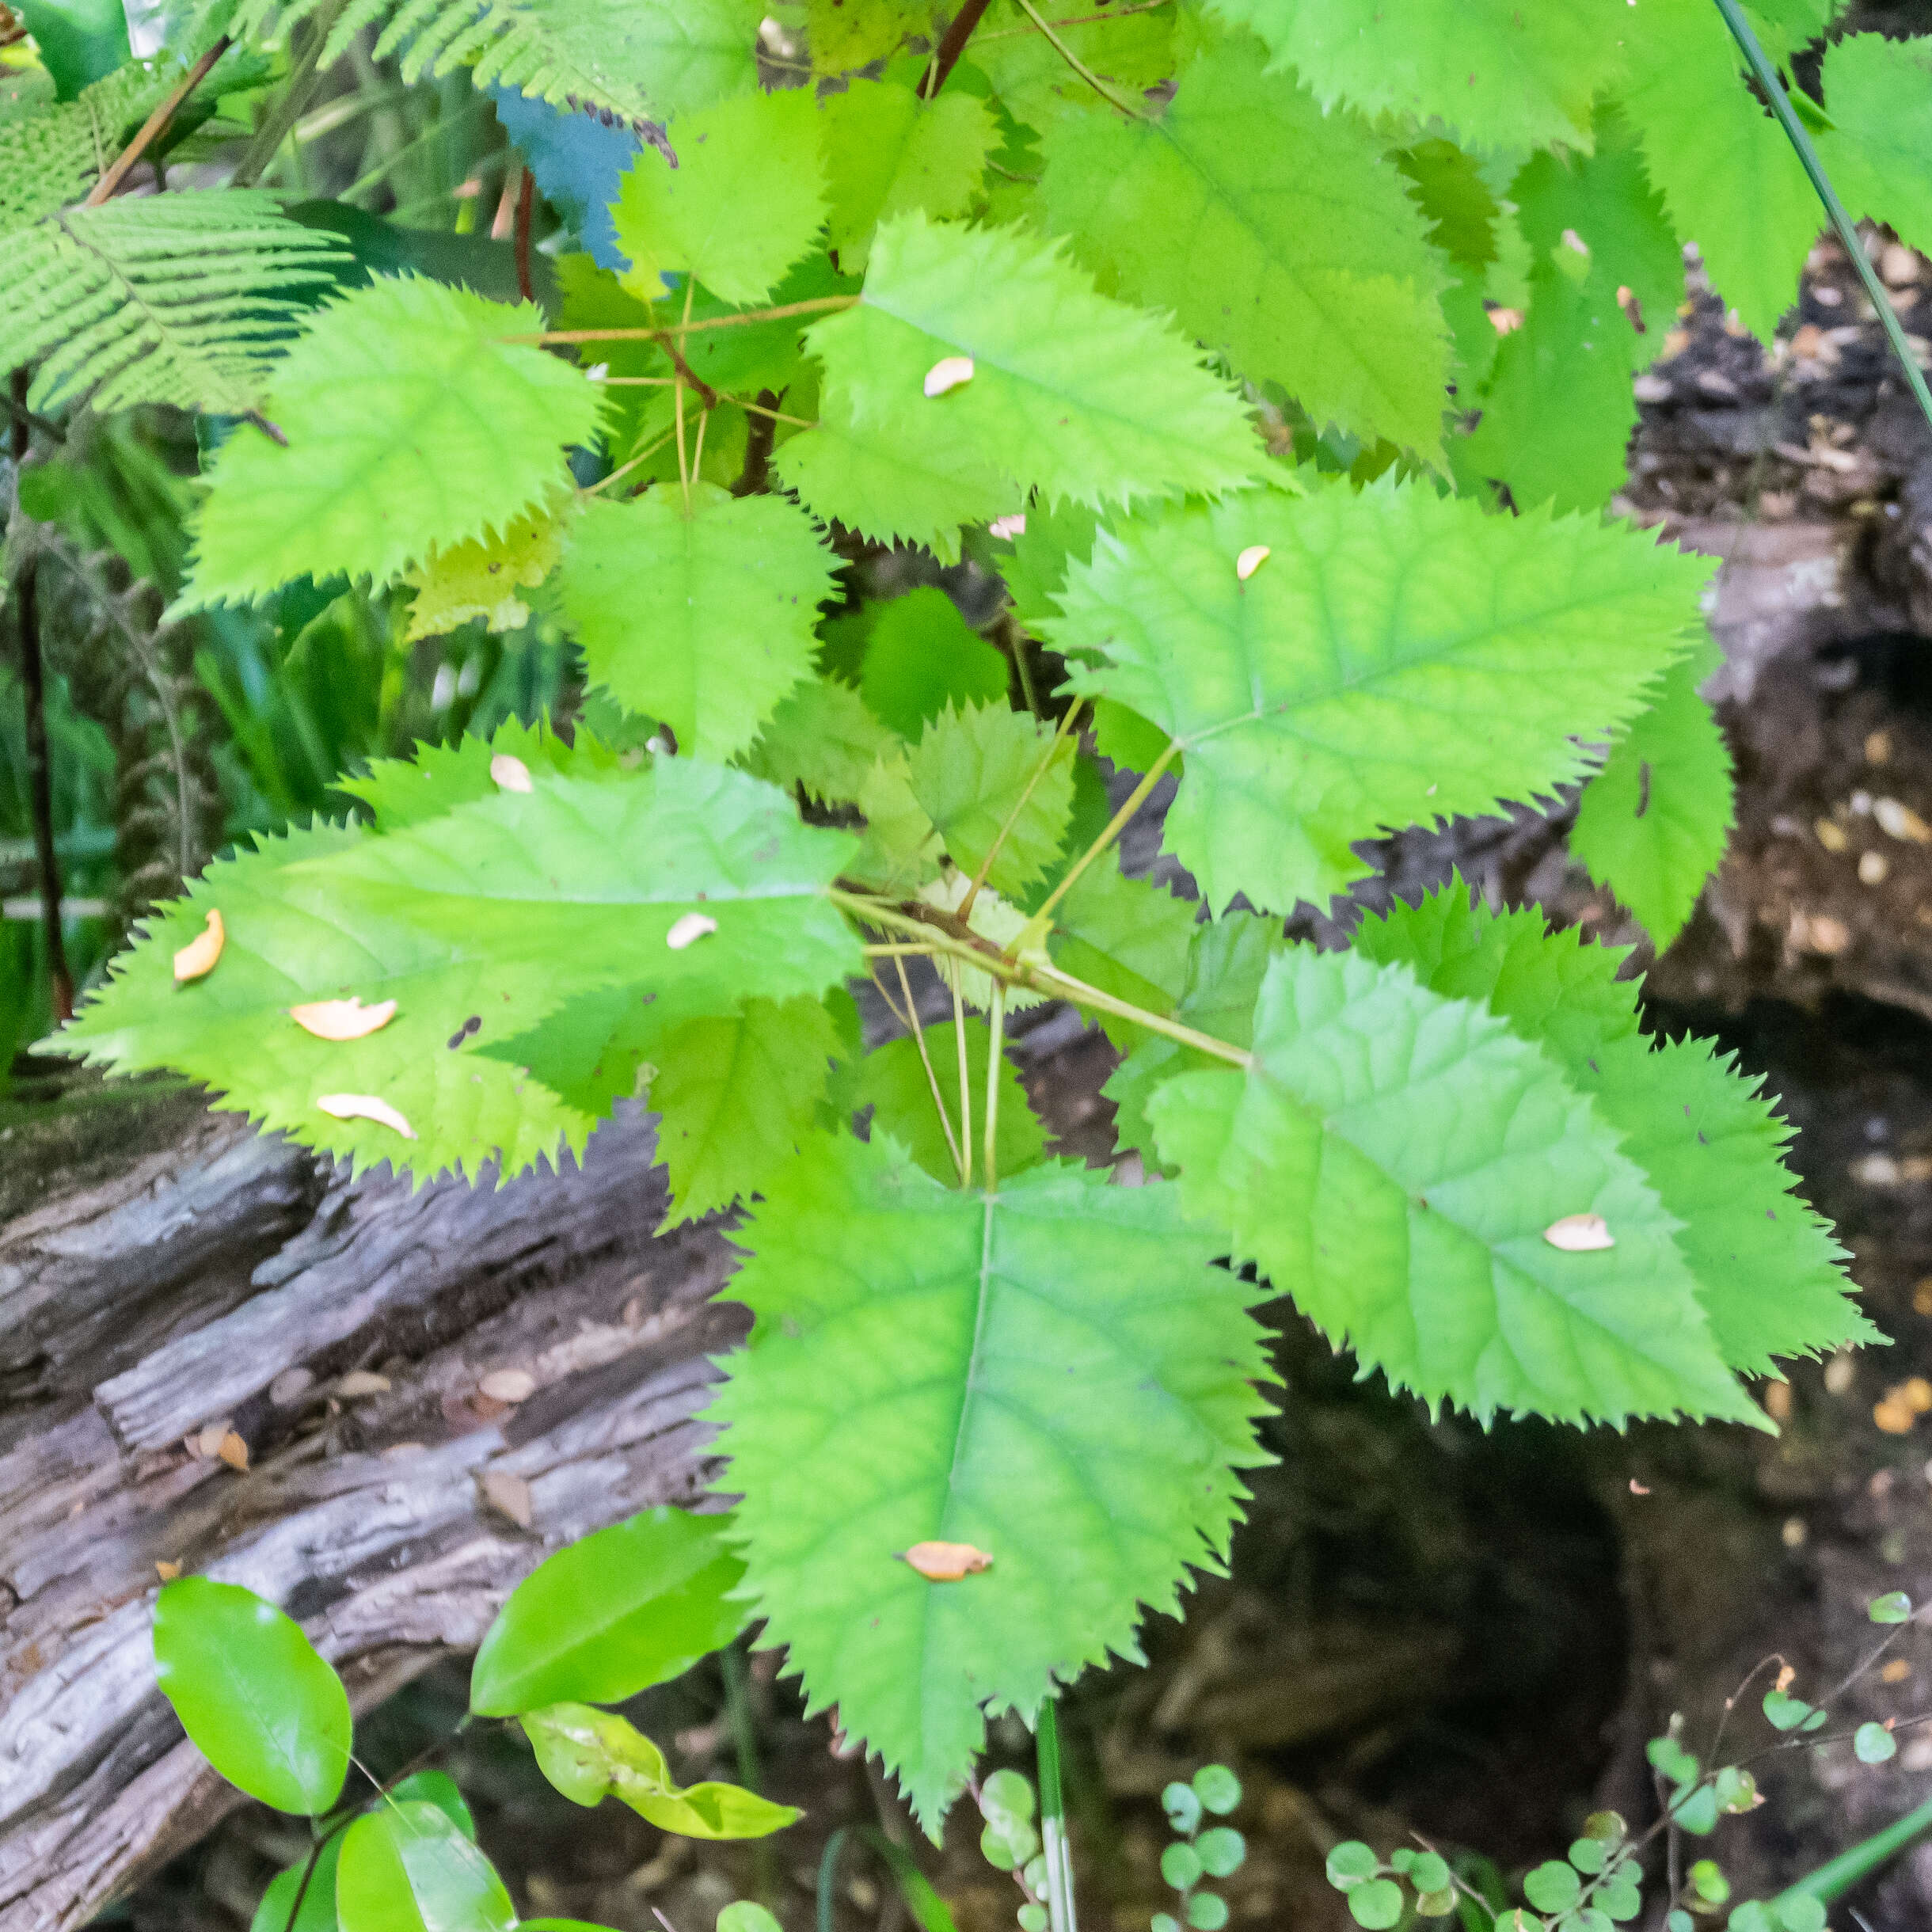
<point x="931" y="1073"/>
<point x="1079" y="66"/>
<point x="152" y="128"/>
<point x="995" y="1053"/>
<point x="816" y="304"/>
<point x="1113" y="828"/>
<point x="946" y="55"/>
<point x="1019" y="806"/>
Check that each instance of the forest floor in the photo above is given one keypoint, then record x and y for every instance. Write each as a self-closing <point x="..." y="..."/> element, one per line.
<point x="1436" y="1630"/>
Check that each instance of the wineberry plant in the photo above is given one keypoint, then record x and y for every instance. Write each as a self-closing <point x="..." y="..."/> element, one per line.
<point x="1276" y="359"/>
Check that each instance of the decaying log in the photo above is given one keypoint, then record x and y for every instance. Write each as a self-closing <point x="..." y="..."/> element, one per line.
<point x="220" y="1356"/>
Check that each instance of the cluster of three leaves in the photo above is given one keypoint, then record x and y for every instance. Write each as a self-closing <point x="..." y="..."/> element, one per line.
<point x="629" y="1606"/>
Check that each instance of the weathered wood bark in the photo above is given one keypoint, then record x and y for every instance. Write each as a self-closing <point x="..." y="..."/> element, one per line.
<point x="175" y="1290"/>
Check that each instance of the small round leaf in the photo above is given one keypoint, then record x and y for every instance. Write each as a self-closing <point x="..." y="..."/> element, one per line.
<point x="261" y="1704"/>
<point x="1708" y="1881"/>
<point x="1163" y="1921"/>
<point x="1751" y="1916"/>
<point x="406" y="1868"/>
<point x="1435" y="1905"/>
<point x="1430" y="1872"/>
<point x="1552" y="1888"/>
<point x="996" y="1850"/>
<point x="1607" y="1826"/>
<point x="1221" y="1851"/>
<point x="1401" y="1858"/>
<point x="1218" y="1789"/>
<point x="1798" y="1911"/>
<point x="746" y="1916"/>
<point x="1206" y="1912"/>
<point x="618" y="1611"/>
<point x="1785" y="1712"/>
<point x="1670" y="1759"/>
<point x="1679" y="1920"/>
<point x="1894" y="1606"/>
<point x="1033" y="1919"/>
<point x="1736" y="1790"/>
<point x="1698" y="1812"/>
<point x="1376" y="1904"/>
<point x="1036" y="1875"/>
<point x="1180" y="1866"/>
<point x="1588" y="1918"/>
<point x="1621" y="1900"/>
<point x="1873" y="1744"/>
<point x="1350" y="1862"/>
<point x="1589" y="1855"/>
<point x="1009" y="1794"/>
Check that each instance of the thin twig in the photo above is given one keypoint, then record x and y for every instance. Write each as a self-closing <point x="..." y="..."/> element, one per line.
<point x="817" y="305"/>
<point x="995" y="1053"/>
<point x="1079" y="66"/>
<point x="109" y="183"/>
<point x="947" y="56"/>
<point x="959" y="1034"/>
<point x="1800" y="140"/>
<point x="926" y="1060"/>
<point x="1115" y="826"/>
<point x="40" y="789"/>
<point x="525" y="206"/>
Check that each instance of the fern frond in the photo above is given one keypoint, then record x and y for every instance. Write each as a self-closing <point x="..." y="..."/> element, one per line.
<point x="181" y="299"/>
<point x="51" y="158"/>
<point x="645" y="59"/>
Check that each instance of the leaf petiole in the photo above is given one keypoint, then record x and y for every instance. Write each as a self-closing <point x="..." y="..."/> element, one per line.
<point x="1114" y="827"/>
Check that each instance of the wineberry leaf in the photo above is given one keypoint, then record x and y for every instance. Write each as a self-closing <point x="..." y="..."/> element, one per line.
<point x="985" y="769"/>
<point x="1768" y="1275"/>
<point x="1128" y="937"/>
<point x="261" y="1705"/>
<point x="738" y="1094"/>
<point x="893" y="1081"/>
<point x="1505" y="75"/>
<point x="743" y="201"/>
<point x="1053" y="1373"/>
<point x="922" y="655"/>
<point x="1652" y="825"/>
<point x="822" y="739"/>
<point x="1274" y="233"/>
<point x="484" y="922"/>
<point x="614" y="1613"/>
<point x="1069" y="393"/>
<point x="1397" y="656"/>
<point x="698" y="613"/>
<point x="1393" y="1159"/>
<point x="408" y="424"/>
<point x="887" y="151"/>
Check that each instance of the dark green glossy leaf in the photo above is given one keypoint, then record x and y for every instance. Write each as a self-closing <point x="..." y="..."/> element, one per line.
<point x="408" y="1867"/>
<point x="260" y="1702"/>
<point x="632" y="1606"/>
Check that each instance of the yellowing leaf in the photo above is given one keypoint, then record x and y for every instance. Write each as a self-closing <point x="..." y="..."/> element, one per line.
<point x="482" y="578"/>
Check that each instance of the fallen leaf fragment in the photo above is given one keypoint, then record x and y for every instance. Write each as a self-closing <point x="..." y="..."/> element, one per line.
<point x="1005" y="527"/>
<point x="693" y="926"/>
<point x="1250" y="561"/>
<point x="508" y="1384"/>
<point x="195" y="960"/>
<point x="343" y="1019"/>
<point x="167" y="1572"/>
<point x="1895" y="1672"/>
<point x="233" y="1450"/>
<point x="948" y="373"/>
<point x="1579" y="1233"/>
<point x="509" y="1495"/>
<point x="365" y="1107"/>
<point x="361" y="1381"/>
<point x="946" y="1562"/>
<point x="1895" y="820"/>
<point x="207" y="1443"/>
<point x="511" y="774"/>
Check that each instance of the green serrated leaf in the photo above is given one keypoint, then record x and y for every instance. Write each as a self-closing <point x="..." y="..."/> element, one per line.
<point x="738" y="1095"/>
<point x="1505" y="75"/>
<point x="614" y="1613"/>
<point x="744" y="202"/>
<point x="987" y="768"/>
<point x="892" y="1080"/>
<point x="1069" y="393"/>
<point x="1227" y="961"/>
<point x="1129" y="51"/>
<point x="1129" y="938"/>
<point x="1727" y="174"/>
<point x="921" y="657"/>
<point x="260" y="1702"/>
<point x="1879" y="156"/>
<point x="1652" y="824"/>
<point x="1767" y="1273"/>
<point x="1336" y="692"/>
<point x="1275" y="233"/>
<point x="823" y="738"/>
<point x="887" y="151"/>
<point x="1054" y="1375"/>
<point x="484" y="923"/>
<point x="702" y="614"/>
<point x="411" y="425"/>
<point x="408" y="1867"/>
<point x="1033" y="556"/>
<point x="1394" y="1159"/>
<point x="901" y="849"/>
<point x="873" y="479"/>
<point x="591" y="1754"/>
<point x="844" y="34"/>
